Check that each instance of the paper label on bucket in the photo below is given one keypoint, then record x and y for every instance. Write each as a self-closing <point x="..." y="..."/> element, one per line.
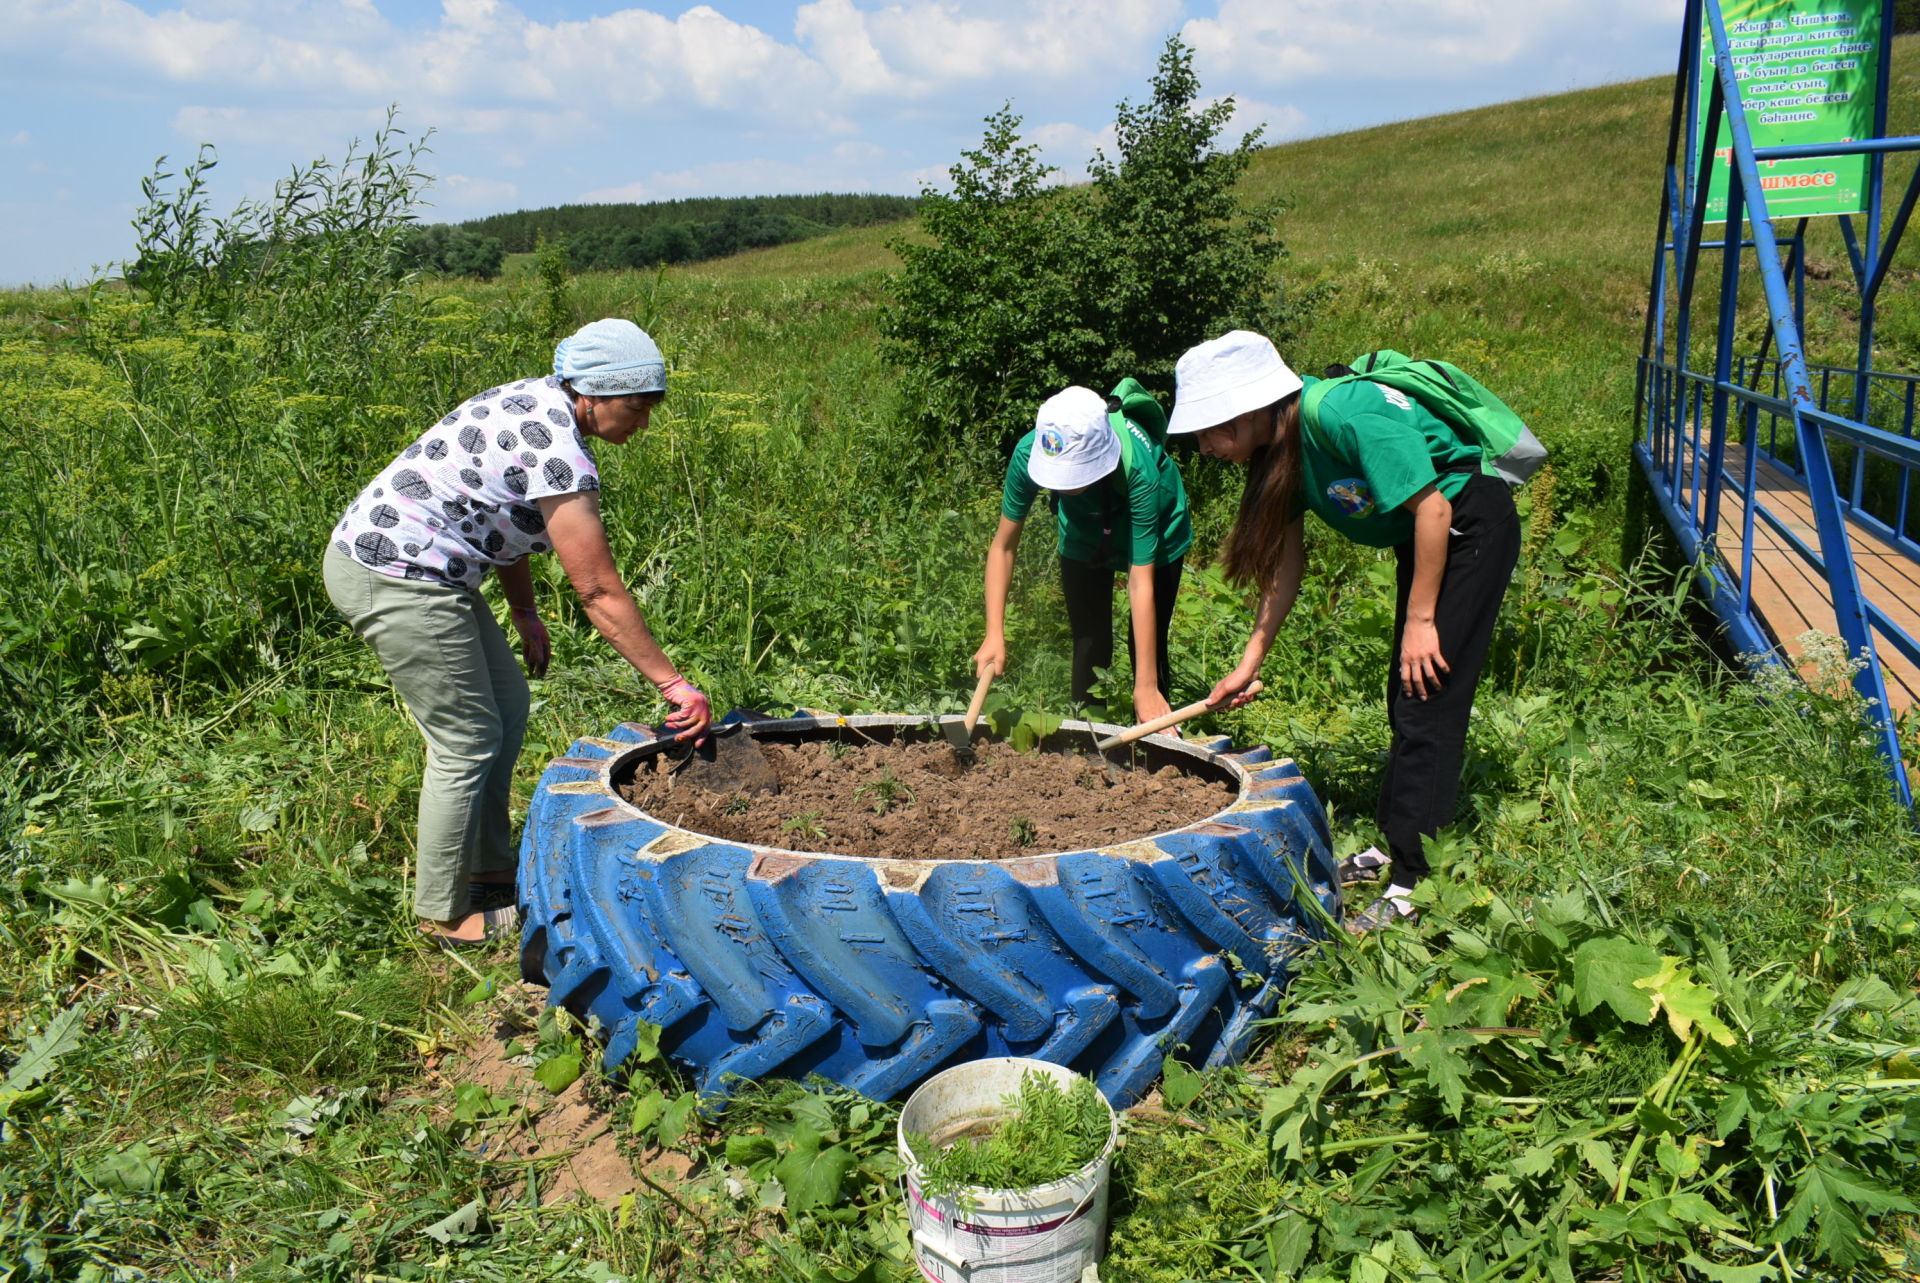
<point x="1017" y="1249"/>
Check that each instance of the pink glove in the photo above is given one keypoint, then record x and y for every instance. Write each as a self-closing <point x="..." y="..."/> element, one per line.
<point x="536" y="646"/>
<point x="691" y="713"/>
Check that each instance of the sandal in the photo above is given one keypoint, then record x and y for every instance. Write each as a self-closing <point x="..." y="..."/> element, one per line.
<point x="495" y="924"/>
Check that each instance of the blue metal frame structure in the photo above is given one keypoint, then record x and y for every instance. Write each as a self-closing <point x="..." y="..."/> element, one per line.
<point x="1686" y="415"/>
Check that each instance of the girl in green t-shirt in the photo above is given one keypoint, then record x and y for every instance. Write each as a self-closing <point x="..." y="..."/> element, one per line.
<point x="1119" y="504"/>
<point x="1381" y="470"/>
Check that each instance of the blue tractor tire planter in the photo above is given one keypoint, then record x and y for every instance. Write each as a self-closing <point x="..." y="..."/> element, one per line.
<point x="874" y="973"/>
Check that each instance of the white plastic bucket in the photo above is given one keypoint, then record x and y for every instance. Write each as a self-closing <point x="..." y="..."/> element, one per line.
<point x="1048" y="1233"/>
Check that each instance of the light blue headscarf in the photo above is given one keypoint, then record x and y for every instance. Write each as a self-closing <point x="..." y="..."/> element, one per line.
<point x="611" y="357"/>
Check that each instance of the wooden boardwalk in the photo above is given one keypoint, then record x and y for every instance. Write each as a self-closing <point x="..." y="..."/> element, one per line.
<point x="1791" y="598"/>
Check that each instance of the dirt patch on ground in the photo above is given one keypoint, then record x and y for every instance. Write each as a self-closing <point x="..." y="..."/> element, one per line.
<point x="917" y="802"/>
<point x="570" y="1140"/>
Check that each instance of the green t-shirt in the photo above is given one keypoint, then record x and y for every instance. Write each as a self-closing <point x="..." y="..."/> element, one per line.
<point x="1375" y="448"/>
<point x="1139" y="519"/>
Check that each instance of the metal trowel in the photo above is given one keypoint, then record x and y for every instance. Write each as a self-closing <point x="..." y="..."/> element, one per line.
<point x="960" y="734"/>
<point x="729" y="763"/>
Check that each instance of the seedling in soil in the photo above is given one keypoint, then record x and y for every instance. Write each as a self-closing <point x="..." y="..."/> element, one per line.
<point x="807" y="825"/>
<point x="885" y="792"/>
<point x="1023" y="831"/>
<point x="835" y="749"/>
<point x="736" y="805"/>
<point x="1047" y="1132"/>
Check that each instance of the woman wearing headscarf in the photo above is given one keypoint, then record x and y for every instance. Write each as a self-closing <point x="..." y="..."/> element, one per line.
<point x="1120" y="505"/>
<point x="507" y="474"/>
<point x="1381" y="470"/>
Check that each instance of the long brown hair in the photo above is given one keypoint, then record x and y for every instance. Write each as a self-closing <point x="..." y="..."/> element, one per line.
<point x="1267" y="503"/>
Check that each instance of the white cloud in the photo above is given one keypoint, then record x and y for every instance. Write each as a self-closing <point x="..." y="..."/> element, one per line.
<point x="1370" y="40"/>
<point x="921" y="47"/>
<point x="21" y="139"/>
<point x="1277" y="122"/>
<point x="461" y="192"/>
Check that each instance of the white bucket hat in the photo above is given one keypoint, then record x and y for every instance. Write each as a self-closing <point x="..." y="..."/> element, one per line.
<point x="1224" y="378"/>
<point x="1073" y="445"/>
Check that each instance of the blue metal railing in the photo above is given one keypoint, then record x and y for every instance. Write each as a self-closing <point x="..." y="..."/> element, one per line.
<point x="1817" y="424"/>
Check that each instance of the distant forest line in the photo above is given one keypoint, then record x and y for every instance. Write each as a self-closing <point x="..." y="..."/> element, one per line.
<point x="612" y="237"/>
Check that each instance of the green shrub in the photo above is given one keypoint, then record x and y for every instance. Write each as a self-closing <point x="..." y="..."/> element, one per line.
<point x="1028" y="288"/>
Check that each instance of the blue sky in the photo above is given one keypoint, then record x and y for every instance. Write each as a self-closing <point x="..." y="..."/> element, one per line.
<point x="544" y="102"/>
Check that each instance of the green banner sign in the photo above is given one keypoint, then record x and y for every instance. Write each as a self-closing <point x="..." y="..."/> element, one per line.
<point x="1808" y="73"/>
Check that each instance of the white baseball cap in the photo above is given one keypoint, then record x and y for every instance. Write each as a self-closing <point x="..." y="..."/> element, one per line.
<point x="1073" y="445"/>
<point x="1224" y="378"/>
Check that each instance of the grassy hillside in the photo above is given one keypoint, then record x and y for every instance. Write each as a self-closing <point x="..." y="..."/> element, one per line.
<point x="227" y="1054"/>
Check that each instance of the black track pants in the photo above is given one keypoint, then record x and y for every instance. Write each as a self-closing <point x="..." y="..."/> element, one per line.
<point x="1422" y="783"/>
<point x="1088" y="588"/>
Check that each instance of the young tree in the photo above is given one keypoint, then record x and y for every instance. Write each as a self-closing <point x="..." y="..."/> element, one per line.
<point x="991" y="316"/>
<point x="1023" y="288"/>
<point x="1180" y="258"/>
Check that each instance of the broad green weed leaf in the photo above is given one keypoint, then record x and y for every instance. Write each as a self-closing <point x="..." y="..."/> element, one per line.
<point x="1862" y="993"/>
<point x="1438" y="1053"/>
<point x="1606" y="969"/>
<point x="557" y="1073"/>
<point x="1538" y="1160"/>
<point x="1599" y="1156"/>
<point x="1706" y="1269"/>
<point x="462" y="1224"/>
<point x="1179" y="1085"/>
<point x="133" y="1170"/>
<point x="646" y="1045"/>
<point x="1732" y="1110"/>
<point x="472" y="1102"/>
<point x="675" y="1118"/>
<point x="1685" y="1002"/>
<point x="646" y="1111"/>
<point x="1837" y="1199"/>
<point x="745" y="1151"/>
<point x="812" y="1176"/>
<point x="65" y="1032"/>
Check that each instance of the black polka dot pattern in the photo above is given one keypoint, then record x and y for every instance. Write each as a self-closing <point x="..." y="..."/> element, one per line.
<point x="375" y="549"/>
<point x="460" y="499"/>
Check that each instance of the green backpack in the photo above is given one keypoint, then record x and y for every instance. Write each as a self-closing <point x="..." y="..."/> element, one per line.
<point x="1450" y="394"/>
<point x="1129" y="400"/>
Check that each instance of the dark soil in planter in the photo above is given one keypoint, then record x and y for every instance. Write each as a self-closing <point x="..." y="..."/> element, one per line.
<point x="915" y="802"/>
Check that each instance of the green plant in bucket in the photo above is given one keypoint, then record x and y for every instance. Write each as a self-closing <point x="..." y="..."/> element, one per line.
<point x="1047" y="1132"/>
